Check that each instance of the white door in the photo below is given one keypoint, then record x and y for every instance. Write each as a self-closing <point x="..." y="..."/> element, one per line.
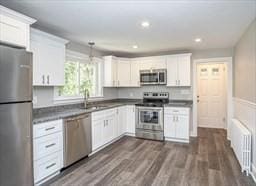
<point x="97" y="133"/>
<point x="210" y="93"/>
<point x="169" y="126"/>
<point x="130" y="122"/>
<point x="182" y="127"/>
<point x="172" y="71"/>
<point x="123" y="73"/>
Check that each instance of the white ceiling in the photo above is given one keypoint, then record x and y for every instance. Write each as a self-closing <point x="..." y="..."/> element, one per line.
<point x="115" y="25"/>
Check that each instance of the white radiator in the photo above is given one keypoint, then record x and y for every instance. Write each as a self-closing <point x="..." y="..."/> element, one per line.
<point x="241" y="144"/>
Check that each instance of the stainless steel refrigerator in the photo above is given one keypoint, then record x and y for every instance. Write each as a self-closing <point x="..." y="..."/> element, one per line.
<point x="16" y="159"/>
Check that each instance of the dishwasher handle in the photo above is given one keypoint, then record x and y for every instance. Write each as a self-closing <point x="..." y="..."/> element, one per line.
<point x="78" y="117"/>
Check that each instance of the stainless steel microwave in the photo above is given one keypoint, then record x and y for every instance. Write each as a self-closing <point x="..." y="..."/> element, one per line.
<point x="153" y="77"/>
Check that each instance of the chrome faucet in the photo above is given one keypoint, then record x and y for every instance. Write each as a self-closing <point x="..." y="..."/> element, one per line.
<point x="86" y="96"/>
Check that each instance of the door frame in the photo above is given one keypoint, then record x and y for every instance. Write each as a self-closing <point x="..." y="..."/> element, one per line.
<point x="225" y="60"/>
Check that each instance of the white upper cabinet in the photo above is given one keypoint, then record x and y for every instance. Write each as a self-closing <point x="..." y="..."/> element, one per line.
<point x="178" y="70"/>
<point x="48" y="59"/>
<point x="123" y="72"/>
<point x="150" y="63"/>
<point x="110" y="68"/>
<point x="135" y="73"/>
<point x="15" y="28"/>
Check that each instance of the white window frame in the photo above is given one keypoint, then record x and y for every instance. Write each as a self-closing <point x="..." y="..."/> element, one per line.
<point x="76" y="99"/>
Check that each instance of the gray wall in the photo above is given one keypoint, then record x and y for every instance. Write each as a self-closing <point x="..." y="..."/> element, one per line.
<point x="245" y="65"/>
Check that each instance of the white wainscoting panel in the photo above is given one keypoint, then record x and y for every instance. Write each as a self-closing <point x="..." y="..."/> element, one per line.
<point x="245" y="112"/>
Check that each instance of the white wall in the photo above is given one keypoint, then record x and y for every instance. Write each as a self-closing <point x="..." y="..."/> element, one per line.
<point x="137" y="93"/>
<point x="245" y="84"/>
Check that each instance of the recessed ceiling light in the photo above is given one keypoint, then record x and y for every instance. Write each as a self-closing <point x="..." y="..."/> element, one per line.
<point x="198" y="40"/>
<point x="135" y="46"/>
<point x="145" y="24"/>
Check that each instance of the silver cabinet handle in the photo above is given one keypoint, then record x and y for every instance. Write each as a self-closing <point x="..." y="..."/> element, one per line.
<point x="178" y="82"/>
<point x="50" y="145"/>
<point x="104" y="123"/>
<point x="48" y="79"/>
<point x="49" y="166"/>
<point x="173" y="118"/>
<point x="49" y="128"/>
<point x="43" y="80"/>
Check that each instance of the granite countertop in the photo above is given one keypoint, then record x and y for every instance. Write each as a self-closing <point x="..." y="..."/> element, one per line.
<point x="41" y="115"/>
<point x="179" y="103"/>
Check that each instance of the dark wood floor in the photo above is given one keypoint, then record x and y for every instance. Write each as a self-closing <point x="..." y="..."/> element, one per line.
<point x="207" y="160"/>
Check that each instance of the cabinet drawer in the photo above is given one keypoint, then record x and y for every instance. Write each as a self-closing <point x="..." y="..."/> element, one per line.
<point x="176" y="110"/>
<point x="47" y="145"/>
<point x="47" y="166"/>
<point x="47" y="128"/>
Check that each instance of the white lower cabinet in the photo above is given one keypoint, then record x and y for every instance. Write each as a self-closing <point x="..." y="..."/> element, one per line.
<point x="176" y="124"/>
<point x="47" y="149"/>
<point x="104" y="127"/>
<point x="108" y="125"/>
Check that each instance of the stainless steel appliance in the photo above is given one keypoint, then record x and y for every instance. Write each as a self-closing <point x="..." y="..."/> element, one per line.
<point x="77" y="138"/>
<point x="15" y="116"/>
<point x="153" y="77"/>
<point x="149" y="115"/>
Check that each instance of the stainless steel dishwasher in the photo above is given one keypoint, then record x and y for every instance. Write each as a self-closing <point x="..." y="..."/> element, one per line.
<point x="77" y="138"/>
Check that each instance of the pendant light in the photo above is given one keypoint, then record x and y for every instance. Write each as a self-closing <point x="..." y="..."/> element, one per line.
<point x="91" y="44"/>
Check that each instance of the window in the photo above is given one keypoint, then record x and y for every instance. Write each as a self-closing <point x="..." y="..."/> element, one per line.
<point x="80" y="75"/>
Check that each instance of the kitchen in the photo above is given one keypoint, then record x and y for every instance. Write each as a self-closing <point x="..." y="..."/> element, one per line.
<point x="81" y="105"/>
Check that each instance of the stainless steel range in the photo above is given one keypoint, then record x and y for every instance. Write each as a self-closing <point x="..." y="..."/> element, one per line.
<point x="149" y="116"/>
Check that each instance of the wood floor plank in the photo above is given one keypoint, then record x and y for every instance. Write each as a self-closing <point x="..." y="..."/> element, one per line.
<point x="207" y="160"/>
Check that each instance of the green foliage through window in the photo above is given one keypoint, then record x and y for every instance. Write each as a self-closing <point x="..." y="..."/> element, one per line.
<point x="79" y="77"/>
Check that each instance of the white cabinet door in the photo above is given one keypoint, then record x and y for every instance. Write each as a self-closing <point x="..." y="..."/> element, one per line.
<point x="109" y="129"/>
<point x="123" y="73"/>
<point x="169" y="126"/>
<point x="172" y="71"/>
<point x="48" y="59"/>
<point x="182" y="127"/>
<point x="56" y="59"/>
<point x="135" y="74"/>
<point x="121" y="121"/>
<point x="130" y="122"/>
<point x="15" y="27"/>
<point x="38" y="66"/>
<point x="13" y="31"/>
<point x="152" y="63"/>
<point x="110" y="74"/>
<point x="184" y="71"/>
<point x="97" y="133"/>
